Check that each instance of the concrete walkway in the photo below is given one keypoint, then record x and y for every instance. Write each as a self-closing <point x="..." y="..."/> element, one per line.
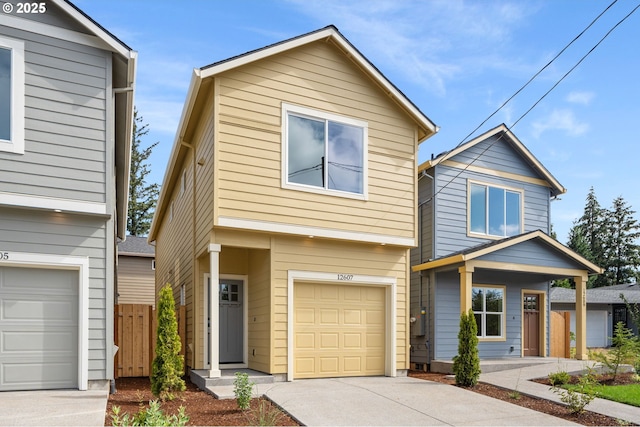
<point x="518" y="379"/>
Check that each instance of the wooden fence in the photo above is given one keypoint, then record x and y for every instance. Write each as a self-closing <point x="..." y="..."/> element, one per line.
<point x="560" y="334"/>
<point x="135" y="335"/>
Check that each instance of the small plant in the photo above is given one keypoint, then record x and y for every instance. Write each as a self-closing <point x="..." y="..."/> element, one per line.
<point x="514" y="394"/>
<point x="265" y="414"/>
<point x="576" y="398"/>
<point x="559" y="378"/>
<point x="243" y="389"/>
<point x="625" y="348"/>
<point x="466" y="365"/>
<point x="151" y="416"/>
<point x="167" y="369"/>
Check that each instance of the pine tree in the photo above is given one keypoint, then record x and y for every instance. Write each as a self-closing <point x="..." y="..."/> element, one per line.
<point x="592" y="224"/>
<point x="167" y="369"/>
<point x="142" y="196"/>
<point x="466" y="365"/>
<point x="621" y="252"/>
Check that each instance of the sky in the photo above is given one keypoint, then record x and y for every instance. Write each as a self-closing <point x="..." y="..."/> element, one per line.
<point x="457" y="61"/>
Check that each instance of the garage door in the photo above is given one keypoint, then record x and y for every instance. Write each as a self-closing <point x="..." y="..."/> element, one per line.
<point x="38" y="328"/>
<point x="597" y="327"/>
<point x="339" y="330"/>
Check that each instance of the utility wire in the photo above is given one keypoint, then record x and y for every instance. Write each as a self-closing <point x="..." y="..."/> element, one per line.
<point x="538" y="101"/>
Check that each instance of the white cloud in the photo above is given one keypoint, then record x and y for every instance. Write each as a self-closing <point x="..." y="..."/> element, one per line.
<point x="583" y="98"/>
<point x="561" y="120"/>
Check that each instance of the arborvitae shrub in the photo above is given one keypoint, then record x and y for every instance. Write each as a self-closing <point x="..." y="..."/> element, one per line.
<point x="466" y="365"/>
<point x="167" y="370"/>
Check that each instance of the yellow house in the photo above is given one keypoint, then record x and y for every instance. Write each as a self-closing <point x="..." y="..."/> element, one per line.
<point x="288" y="210"/>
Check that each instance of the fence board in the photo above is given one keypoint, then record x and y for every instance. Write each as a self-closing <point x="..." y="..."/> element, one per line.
<point x="560" y="334"/>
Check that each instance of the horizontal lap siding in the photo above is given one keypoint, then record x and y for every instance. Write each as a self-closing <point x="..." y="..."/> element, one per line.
<point x="65" y="122"/>
<point x="60" y="234"/>
<point x="250" y="135"/>
<point x="334" y="257"/>
<point x="136" y="281"/>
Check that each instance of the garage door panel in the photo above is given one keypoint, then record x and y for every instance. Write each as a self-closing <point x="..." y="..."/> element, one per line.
<point x="348" y="330"/>
<point x="38" y="328"/>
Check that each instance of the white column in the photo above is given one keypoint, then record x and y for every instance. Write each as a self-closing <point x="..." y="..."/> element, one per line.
<point x="214" y="340"/>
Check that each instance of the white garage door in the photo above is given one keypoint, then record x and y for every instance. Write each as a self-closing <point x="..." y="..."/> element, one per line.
<point x="597" y="327"/>
<point x="38" y="328"/>
<point x="339" y="330"/>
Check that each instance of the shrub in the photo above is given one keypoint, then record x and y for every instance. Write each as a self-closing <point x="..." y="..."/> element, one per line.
<point x="243" y="389"/>
<point x="151" y="416"/>
<point x="265" y="414"/>
<point x="466" y="365"/>
<point x="625" y="348"/>
<point x="576" y="398"/>
<point x="559" y="378"/>
<point x="167" y="369"/>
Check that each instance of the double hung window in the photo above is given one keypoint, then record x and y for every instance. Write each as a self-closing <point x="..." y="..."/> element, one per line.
<point x="324" y="152"/>
<point x="488" y="305"/>
<point x="11" y="95"/>
<point x="494" y="211"/>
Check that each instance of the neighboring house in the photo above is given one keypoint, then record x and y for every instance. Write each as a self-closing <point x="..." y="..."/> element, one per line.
<point x="605" y="309"/>
<point x="136" y="282"/>
<point x="483" y="245"/>
<point x="66" y="102"/>
<point x="287" y="213"/>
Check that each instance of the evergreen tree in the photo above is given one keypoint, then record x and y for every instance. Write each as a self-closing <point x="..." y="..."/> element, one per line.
<point x="168" y="365"/>
<point x="621" y="251"/>
<point x="466" y="365"/>
<point x="142" y="196"/>
<point x="592" y="227"/>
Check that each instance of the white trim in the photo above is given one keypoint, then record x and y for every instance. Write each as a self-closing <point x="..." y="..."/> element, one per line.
<point x="15" y="144"/>
<point x="327" y="117"/>
<point x="390" y="283"/>
<point x="65" y="262"/>
<point x="53" y="203"/>
<point x="303" y="230"/>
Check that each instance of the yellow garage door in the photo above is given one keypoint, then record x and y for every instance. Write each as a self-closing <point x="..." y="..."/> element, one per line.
<point x="339" y="330"/>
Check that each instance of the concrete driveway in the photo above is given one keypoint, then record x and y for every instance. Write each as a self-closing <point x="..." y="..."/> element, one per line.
<point x="53" y="408"/>
<point x="402" y="401"/>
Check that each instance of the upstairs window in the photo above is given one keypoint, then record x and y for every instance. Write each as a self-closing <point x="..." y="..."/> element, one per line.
<point x="494" y="211"/>
<point x="324" y="153"/>
<point x="11" y="96"/>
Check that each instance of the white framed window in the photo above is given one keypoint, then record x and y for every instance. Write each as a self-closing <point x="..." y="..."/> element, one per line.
<point x="11" y="95"/>
<point x="488" y="303"/>
<point x="494" y="211"/>
<point x="324" y="153"/>
<point x="153" y="264"/>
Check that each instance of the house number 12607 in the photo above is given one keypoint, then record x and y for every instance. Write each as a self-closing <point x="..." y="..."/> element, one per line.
<point x="345" y="276"/>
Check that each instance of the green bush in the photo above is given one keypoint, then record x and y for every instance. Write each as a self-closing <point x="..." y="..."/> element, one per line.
<point x="167" y="369"/>
<point x="624" y="350"/>
<point x="151" y="416"/>
<point x="559" y="378"/>
<point x="243" y="389"/>
<point x="466" y="365"/>
<point x="576" y="398"/>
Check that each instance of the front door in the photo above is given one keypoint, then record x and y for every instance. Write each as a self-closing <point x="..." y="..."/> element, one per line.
<point x="230" y="321"/>
<point x="531" y="325"/>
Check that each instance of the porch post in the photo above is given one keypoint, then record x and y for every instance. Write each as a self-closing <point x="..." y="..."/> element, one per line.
<point x="581" y="317"/>
<point x="214" y="340"/>
<point x="466" y="285"/>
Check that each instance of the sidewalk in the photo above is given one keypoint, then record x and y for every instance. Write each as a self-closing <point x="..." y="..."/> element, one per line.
<point x="518" y="379"/>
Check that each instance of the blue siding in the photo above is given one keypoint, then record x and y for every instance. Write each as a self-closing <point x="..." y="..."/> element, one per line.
<point x="532" y="252"/>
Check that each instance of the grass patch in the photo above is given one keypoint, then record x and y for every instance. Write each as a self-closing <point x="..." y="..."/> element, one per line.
<point x="629" y="394"/>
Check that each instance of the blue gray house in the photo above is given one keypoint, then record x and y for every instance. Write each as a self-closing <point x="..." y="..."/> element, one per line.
<point x="484" y="215"/>
<point x="66" y="103"/>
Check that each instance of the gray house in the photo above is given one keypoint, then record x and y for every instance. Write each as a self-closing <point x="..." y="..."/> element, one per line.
<point x="66" y="102"/>
<point x="605" y="309"/>
<point x="483" y="245"/>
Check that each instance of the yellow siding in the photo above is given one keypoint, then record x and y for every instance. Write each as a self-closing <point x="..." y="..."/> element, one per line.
<point x="259" y="313"/>
<point x="136" y="280"/>
<point x="249" y="144"/>
<point x="334" y="257"/>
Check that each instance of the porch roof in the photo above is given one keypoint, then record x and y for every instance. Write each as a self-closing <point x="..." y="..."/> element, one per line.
<point x="560" y="260"/>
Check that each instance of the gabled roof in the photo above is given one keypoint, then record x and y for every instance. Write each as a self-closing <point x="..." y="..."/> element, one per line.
<point x="328" y="34"/>
<point x="603" y="295"/>
<point x="503" y="132"/>
<point x="494" y="246"/>
<point x="136" y="246"/>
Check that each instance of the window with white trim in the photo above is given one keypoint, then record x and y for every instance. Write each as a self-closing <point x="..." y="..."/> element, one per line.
<point x="11" y="95"/>
<point x="494" y="211"/>
<point x="488" y="305"/>
<point x="324" y="152"/>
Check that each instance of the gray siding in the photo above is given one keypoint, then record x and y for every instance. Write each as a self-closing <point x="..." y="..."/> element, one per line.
<point x="451" y="218"/>
<point x="60" y="234"/>
<point x="65" y="121"/>
<point x="447" y="312"/>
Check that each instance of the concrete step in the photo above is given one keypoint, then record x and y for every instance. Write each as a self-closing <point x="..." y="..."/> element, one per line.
<point x="200" y="378"/>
